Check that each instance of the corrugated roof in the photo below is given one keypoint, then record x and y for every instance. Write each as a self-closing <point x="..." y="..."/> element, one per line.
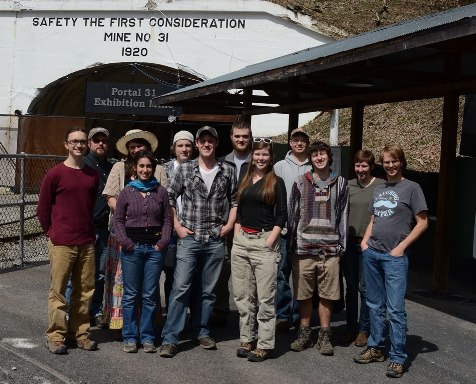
<point x="378" y="36"/>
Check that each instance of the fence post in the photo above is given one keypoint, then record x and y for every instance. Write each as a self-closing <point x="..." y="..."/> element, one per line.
<point x="22" y="206"/>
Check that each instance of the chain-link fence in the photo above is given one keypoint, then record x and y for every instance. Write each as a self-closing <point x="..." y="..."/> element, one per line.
<point x="21" y="238"/>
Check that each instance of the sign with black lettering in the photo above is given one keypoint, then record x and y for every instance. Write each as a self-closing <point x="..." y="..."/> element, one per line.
<point x="128" y="99"/>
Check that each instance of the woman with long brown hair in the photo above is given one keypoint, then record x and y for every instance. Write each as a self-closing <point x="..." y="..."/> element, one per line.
<point x="261" y="215"/>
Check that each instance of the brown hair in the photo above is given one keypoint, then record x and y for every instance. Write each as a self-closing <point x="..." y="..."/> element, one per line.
<point x="396" y="151"/>
<point x="240" y="123"/>
<point x="317" y="147"/>
<point x="146" y="155"/>
<point x="268" y="191"/>
<point x="76" y="129"/>
<point x="364" y="155"/>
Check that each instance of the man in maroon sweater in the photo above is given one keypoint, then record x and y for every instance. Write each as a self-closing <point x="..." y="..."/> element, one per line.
<point x="65" y="211"/>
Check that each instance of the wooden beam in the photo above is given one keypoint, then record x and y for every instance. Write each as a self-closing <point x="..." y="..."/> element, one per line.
<point x="376" y="97"/>
<point x="444" y="222"/>
<point x="356" y="132"/>
<point x="293" y="123"/>
<point x="204" y="117"/>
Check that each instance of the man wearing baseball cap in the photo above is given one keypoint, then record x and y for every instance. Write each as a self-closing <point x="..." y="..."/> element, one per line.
<point x="98" y="142"/>
<point x="295" y="164"/>
<point x="208" y="189"/>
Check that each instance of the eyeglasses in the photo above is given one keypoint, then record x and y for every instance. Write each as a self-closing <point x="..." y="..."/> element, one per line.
<point x="299" y="140"/>
<point x="78" y="142"/>
<point x="95" y="140"/>
<point x="263" y="139"/>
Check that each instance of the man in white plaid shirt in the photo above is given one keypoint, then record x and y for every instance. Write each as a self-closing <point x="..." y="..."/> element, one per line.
<point x="208" y="189"/>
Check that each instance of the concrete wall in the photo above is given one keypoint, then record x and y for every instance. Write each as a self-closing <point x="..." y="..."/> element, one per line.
<point x="42" y="41"/>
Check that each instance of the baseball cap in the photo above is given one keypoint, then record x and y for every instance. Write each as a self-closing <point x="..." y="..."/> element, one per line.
<point x="208" y="129"/>
<point x="97" y="130"/>
<point x="183" y="135"/>
<point x="299" y="131"/>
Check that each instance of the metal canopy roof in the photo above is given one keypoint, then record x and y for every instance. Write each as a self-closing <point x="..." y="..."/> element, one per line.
<point x="422" y="58"/>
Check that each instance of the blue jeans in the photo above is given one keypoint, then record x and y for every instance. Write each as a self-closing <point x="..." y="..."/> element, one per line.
<point x="353" y="267"/>
<point x="386" y="279"/>
<point x="286" y="307"/>
<point x="141" y="270"/>
<point x="204" y="260"/>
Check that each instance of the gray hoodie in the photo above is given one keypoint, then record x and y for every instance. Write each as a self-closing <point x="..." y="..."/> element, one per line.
<point x="289" y="170"/>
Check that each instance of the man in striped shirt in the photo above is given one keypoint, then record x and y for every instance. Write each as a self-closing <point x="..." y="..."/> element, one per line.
<point x="317" y="222"/>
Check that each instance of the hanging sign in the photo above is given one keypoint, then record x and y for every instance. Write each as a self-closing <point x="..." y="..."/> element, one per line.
<point x="128" y="99"/>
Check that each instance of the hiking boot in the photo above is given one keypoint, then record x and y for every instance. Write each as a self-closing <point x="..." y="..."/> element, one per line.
<point x="149" y="347"/>
<point x="244" y="349"/>
<point x="395" y="370"/>
<point x="361" y="340"/>
<point x="207" y="342"/>
<point x="99" y="321"/>
<point x="304" y="339"/>
<point x="324" y="345"/>
<point x="87" y="344"/>
<point x="129" y="347"/>
<point x="258" y="355"/>
<point x="369" y="355"/>
<point x="56" y="347"/>
<point x="282" y="325"/>
<point x="167" y="350"/>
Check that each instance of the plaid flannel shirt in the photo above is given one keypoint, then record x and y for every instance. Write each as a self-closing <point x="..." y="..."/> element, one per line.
<point x="202" y="212"/>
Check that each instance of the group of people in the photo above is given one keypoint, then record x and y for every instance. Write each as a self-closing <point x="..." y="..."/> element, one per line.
<point x="201" y="220"/>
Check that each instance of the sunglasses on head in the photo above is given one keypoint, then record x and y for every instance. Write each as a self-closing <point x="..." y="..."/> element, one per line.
<point x="263" y="139"/>
<point x="95" y="140"/>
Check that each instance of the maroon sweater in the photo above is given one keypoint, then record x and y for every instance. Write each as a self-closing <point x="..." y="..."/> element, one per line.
<point x="66" y="203"/>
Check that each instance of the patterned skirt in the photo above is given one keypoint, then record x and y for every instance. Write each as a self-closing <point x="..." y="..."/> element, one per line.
<point x="113" y="286"/>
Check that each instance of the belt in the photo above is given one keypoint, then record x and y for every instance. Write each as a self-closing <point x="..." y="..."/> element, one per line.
<point x="254" y="234"/>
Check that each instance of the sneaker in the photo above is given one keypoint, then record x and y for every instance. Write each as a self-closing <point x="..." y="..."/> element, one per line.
<point x="304" y="339"/>
<point x="282" y="325"/>
<point x="149" y="347"/>
<point x="369" y="355"/>
<point x="324" y="345"/>
<point x="167" y="350"/>
<point x="56" y="347"/>
<point x="129" y="347"/>
<point x="395" y="370"/>
<point x="361" y="340"/>
<point x="244" y="349"/>
<point x="87" y="344"/>
<point x="258" y="355"/>
<point x="206" y="342"/>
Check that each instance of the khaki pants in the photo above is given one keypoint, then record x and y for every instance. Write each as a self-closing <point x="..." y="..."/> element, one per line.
<point x="254" y="269"/>
<point x="77" y="261"/>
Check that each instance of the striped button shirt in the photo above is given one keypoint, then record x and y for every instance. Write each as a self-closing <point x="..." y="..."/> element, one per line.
<point x="203" y="212"/>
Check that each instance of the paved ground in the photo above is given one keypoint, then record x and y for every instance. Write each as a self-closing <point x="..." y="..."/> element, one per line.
<point x="442" y="347"/>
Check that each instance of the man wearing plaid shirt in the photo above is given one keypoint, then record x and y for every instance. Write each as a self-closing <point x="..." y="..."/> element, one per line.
<point x="208" y="189"/>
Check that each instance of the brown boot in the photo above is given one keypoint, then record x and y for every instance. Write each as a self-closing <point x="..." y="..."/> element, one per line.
<point x="361" y="340"/>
